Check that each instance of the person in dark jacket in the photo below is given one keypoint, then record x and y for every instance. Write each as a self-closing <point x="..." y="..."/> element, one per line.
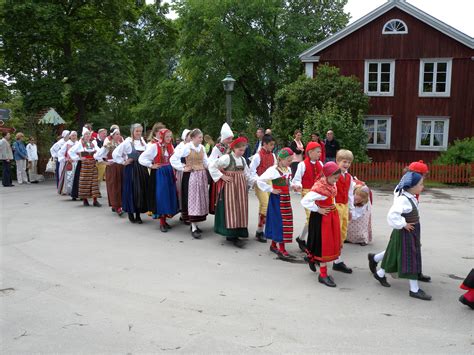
<point x="331" y="145"/>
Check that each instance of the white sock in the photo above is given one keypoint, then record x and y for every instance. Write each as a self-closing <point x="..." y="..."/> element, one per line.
<point x="414" y="286"/>
<point x="194" y="227"/>
<point x="381" y="272"/>
<point x="304" y="233"/>
<point x="338" y="261"/>
<point x="378" y="257"/>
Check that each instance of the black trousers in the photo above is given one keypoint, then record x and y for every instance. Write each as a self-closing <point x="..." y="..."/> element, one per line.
<point x="7" y="177"/>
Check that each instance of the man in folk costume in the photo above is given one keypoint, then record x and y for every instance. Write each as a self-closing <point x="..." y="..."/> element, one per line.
<point x="157" y="157"/>
<point x="99" y="142"/>
<point x="218" y="151"/>
<point x="113" y="171"/>
<point x="232" y="176"/>
<point x="261" y="161"/>
<point x="307" y="173"/>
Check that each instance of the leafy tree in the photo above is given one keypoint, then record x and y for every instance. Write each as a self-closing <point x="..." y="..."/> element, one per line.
<point x="295" y="100"/>
<point x="460" y="152"/>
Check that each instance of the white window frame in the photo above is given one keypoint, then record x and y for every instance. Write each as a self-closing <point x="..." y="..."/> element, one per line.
<point x="449" y="67"/>
<point x="389" y="131"/>
<point x="445" y="133"/>
<point x="392" y="77"/>
<point x="392" y="32"/>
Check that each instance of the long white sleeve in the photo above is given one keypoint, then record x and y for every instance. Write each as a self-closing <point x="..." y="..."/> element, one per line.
<point x="101" y="154"/>
<point x="351" y="194"/>
<point x="147" y="157"/>
<point x="250" y="178"/>
<point x="75" y="150"/>
<point x="215" y="154"/>
<point x="254" y="165"/>
<point x="205" y="159"/>
<point x="216" y="165"/>
<point x="56" y="147"/>
<point x="401" y="205"/>
<point x="308" y="201"/>
<point x="119" y="155"/>
<point x="297" y="179"/>
<point x="270" y="174"/>
<point x="178" y="153"/>
<point x="62" y="152"/>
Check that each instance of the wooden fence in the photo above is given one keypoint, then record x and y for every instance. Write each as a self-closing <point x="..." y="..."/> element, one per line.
<point x="388" y="171"/>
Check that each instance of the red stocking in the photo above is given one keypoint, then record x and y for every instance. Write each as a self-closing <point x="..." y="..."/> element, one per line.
<point x="324" y="271"/>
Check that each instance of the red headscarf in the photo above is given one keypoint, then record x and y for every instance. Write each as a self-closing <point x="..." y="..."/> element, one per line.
<point x="322" y="186"/>
<point x="161" y="145"/>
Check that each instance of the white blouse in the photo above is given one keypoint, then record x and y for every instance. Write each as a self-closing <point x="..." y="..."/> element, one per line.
<point x="76" y="149"/>
<point x="401" y="204"/>
<point x="308" y="201"/>
<point x="62" y="153"/>
<point x="147" y="157"/>
<point x="359" y="211"/>
<point x="270" y="174"/>
<point x="223" y="162"/>
<point x="54" y="150"/>
<point x="215" y="154"/>
<point x="120" y="154"/>
<point x="256" y="162"/>
<point x="32" y="151"/>
<point x="297" y="179"/>
<point x="183" y="152"/>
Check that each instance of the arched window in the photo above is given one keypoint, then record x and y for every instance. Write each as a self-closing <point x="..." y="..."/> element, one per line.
<point x="395" y="27"/>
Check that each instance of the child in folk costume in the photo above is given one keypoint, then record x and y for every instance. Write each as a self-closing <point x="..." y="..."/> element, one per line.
<point x="279" y="226"/>
<point x="179" y="174"/>
<point x="67" y="165"/>
<point x="324" y="237"/>
<point x="195" y="191"/>
<point x="135" y="181"/>
<point x="307" y="173"/>
<point x="157" y="158"/>
<point x="88" y="175"/>
<point x="359" y="230"/>
<point x="232" y="176"/>
<point x="344" y="201"/>
<point x="416" y="167"/>
<point x="218" y="151"/>
<point x="261" y="161"/>
<point x="113" y="171"/>
<point x="403" y="254"/>
<point x="468" y="285"/>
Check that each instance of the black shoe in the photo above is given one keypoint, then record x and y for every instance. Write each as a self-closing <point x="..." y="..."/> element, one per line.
<point x="328" y="281"/>
<point x="113" y="210"/>
<point x="85" y="203"/>
<point x="423" y="278"/>
<point x="163" y="228"/>
<point x="197" y="229"/>
<point x="372" y="263"/>
<point x="97" y="204"/>
<point x="239" y="243"/>
<point x="383" y="280"/>
<point x="196" y="234"/>
<point x="342" y="268"/>
<point x="420" y="295"/>
<point x="138" y="219"/>
<point x="74" y="199"/>
<point x="260" y="237"/>
<point x="168" y="226"/>
<point x="301" y="244"/>
<point x="463" y="300"/>
<point x="311" y="264"/>
<point x="131" y="217"/>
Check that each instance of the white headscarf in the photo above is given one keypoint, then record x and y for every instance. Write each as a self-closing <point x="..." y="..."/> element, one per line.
<point x="226" y="132"/>
<point x="65" y="133"/>
<point x="185" y="134"/>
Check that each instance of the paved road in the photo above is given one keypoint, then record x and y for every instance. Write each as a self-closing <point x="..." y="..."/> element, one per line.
<point x="81" y="280"/>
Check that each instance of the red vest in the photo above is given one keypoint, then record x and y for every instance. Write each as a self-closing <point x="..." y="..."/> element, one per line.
<point x="343" y="186"/>
<point x="160" y="157"/>
<point x="311" y="174"/>
<point x="266" y="161"/>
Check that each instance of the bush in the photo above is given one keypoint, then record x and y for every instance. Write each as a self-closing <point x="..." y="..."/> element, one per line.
<point x="460" y="152"/>
<point x="349" y="130"/>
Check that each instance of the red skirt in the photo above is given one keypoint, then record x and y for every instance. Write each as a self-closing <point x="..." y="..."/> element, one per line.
<point x="324" y="236"/>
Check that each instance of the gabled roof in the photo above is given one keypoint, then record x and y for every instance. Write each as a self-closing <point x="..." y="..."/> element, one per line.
<point x="463" y="38"/>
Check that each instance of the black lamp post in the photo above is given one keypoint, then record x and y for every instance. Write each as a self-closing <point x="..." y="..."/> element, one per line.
<point x="228" y="83"/>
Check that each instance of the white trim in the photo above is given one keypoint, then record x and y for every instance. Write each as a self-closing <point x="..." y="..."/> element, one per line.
<point x="392" y="77"/>
<point x="376" y="118"/>
<point x="394" y="32"/>
<point x="314" y="59"/>
<point x="402" y="5"/>
<point x="449" y="66"/>
<point x="308" y="69"/>
<point x="445" y="133"/>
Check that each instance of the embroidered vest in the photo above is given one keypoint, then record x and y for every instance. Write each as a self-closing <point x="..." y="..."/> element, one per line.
<point x="266" y="161"/>
<point x="195" y="160"/>
<point x="311" y="174"/>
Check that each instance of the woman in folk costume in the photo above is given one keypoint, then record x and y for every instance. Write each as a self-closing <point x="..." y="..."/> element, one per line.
<point x="88" y="186"/>
<point x="113" y="171"/>
<point x="307" y="173"/>
<point x="185" y="139"/>
<point x="359" y="230"/>
<point x="232" y="176"/>
<point x="403" y="253"/>
<point x="157" y="157"/>
<point x="218" y="151"/>
<point x="67" y="166"/>
<point x="54" y="150"/>
<point x="279" y="226"/>
<point x="194" y="192"/>
<point x="135" y="176"/>
<point x="324" y="232"/>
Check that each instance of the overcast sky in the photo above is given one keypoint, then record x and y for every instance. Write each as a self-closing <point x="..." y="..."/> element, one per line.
<point x="456" y="13"/>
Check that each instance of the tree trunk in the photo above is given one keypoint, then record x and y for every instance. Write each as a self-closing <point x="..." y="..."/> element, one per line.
<point x="80" y="116"/>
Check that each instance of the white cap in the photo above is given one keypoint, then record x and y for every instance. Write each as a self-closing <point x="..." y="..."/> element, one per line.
<point x="185" y="134"/>
<point x="85" y="130"/>
<point x="65" y="133"/>
<point x="226" y="132"/>
<point x="115" y="131"/>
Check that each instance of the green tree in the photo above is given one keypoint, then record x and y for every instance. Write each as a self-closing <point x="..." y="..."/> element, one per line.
<point x="460" y="152"/>
<point x="295" y="100"/>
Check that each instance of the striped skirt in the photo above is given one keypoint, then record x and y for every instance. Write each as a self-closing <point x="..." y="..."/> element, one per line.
<point x="195" y="196"/>
<point x="62" y="178"/>
<point x="113" y="176"/>
<point x="279" y="224"/>
<point x="88" y="183"/>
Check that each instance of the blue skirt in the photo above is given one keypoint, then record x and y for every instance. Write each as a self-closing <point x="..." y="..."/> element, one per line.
<point x="166" y="196"/>
<point x="274" y="222"/>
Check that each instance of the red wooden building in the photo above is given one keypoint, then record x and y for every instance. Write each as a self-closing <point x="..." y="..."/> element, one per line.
<point x="418" y="72"/>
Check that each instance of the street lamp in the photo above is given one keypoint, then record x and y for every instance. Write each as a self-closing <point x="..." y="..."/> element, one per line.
<point x="228" y="83"/>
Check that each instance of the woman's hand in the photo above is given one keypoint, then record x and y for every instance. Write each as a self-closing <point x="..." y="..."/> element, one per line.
<point x="128" y="161"/>
<point x="410" y="227"/>
<point x="297" y="188"/>
<point x="187" y="169"/>
<point x="155" y="166"/>
<point x="324" y="211"/>
<point x="276" y="192"/>
<point x="226" y="178"/>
